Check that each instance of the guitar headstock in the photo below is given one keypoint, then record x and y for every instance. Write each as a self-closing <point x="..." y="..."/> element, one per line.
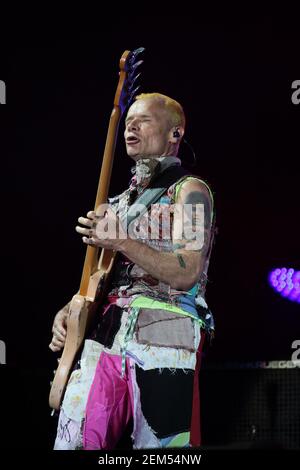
<point x="127" y="88"/>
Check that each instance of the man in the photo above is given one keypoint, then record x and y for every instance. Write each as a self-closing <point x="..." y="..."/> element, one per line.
<point x="141" y="360"/>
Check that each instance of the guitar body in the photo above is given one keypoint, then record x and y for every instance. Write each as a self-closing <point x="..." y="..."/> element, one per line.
<point x="76" y="323"/>
<point x="80" y="319"/>
<point x="96" y="274"/>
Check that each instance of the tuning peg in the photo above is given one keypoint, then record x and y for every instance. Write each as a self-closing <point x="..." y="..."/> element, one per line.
<point x="132" y="82"/>
<point x="131" y="66"/>
<point x="133" y="55"/>
<point x="137" y="51"/>
<point x="133" y="93"/>
<point x="134" y="66"/>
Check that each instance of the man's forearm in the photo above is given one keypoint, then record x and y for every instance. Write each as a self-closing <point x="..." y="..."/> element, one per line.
<point x="170" y="268"/>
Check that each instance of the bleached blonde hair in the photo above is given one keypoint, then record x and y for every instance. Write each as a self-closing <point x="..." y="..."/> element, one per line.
<point x="174" y="109"/>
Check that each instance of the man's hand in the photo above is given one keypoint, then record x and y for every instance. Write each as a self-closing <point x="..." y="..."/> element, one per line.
<point x="59" y="329"/>
<point x="102" y="228"/>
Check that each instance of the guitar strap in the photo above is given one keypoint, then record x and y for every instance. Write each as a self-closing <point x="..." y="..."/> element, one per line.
<point x="151" y="195"/>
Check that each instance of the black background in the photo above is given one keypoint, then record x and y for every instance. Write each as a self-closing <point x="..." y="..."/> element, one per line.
<point x="234" y="82"/>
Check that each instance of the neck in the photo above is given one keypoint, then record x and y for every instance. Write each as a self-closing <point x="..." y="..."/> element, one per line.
<point x="146" y="168"/>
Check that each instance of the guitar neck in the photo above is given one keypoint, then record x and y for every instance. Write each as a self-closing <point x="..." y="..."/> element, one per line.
<point x="91" y="257"/>
<point x="124" y="95"/>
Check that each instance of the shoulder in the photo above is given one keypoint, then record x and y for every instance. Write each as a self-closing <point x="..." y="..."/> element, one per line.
<point x="193" y="185"/>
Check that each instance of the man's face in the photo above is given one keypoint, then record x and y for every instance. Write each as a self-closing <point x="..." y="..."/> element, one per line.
<point x="147" y="130"/>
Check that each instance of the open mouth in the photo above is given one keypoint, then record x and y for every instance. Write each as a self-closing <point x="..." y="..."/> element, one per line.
<point x="132" y="140"/>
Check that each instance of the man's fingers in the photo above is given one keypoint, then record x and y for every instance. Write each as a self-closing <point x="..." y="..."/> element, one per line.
<point x="90" y="241"/>
<point x="55" y="346"/>
<point x="61" y="328"/>
<point x="58" y="327"/>
<point x="59" y="335"/>
<point x="57" y="342"/>
<point x="84" y="221"/>
<point x="82" y="231"/>
<point x="91" y="214"/>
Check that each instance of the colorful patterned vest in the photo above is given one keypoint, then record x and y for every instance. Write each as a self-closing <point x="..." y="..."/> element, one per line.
<point x="132" y="280"/>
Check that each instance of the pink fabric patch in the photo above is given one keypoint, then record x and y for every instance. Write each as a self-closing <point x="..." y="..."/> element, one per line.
<point x="110" y="404"/>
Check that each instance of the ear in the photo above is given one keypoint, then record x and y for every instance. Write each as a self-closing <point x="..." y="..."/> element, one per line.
<point x="175" y="134"/>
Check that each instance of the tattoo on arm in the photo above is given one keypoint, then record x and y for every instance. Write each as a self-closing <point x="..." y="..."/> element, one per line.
<point x="194" y="198"/>
<point x="178" y="246"/>
<point x="181" y="261"/>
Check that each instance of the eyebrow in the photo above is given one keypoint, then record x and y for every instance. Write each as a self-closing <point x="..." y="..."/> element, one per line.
<point x="137" y="115"/>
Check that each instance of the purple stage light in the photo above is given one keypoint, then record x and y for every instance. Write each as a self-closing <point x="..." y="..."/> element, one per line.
<point x="286" y="282"/>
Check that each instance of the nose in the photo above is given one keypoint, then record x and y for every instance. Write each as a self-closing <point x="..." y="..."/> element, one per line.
<point x="133" y="125"/>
